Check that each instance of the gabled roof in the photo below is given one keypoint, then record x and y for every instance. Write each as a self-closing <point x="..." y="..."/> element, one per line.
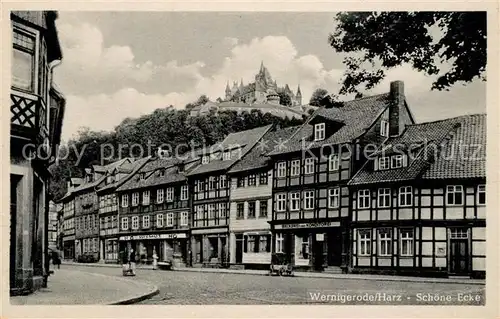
<point x="356" y="116"/>
<point x="257" y="157"/>
<point x="435" y="144"/>
<point x="131" y="169"/>
<point x="245" y="139"/>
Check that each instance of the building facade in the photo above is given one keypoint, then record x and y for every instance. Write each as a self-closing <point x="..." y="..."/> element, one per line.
<point x="52" y="231"/>
<point x="154" y="212"/>
<point x="421" y="208"/>
<point x="68" y="227"/>
<point x="251" y="204"/>
<point x="311" y="208"/>
<point x="210" y="197"/>
<point x="36" y="113"/>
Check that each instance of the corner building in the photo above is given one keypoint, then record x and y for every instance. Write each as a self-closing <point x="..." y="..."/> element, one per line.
<point x="311" y="199"/>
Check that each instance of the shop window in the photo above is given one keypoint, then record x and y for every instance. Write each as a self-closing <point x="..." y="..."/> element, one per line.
<point x="481" y="194"/>
<point x="295" y="168"/>
<point x="384" y="197"/>
<point x="454" y="195"/>
<point x="364" y="239"/>
<point x="385" y="242"/>
<point x="406" y="242"/>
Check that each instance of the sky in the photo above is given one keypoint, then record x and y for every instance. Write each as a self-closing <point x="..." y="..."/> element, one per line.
<point x="127" y="64"/>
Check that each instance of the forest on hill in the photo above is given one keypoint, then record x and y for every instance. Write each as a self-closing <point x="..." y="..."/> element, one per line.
<point x="164" y="126"/>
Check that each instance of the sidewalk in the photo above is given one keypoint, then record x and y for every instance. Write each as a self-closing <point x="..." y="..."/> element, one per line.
<point x="309" y="274"/>
<point x="73" y="287"/>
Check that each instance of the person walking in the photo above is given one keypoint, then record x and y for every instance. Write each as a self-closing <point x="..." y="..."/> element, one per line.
<point x="56" y="260"/>
<point x="155" y="259"/>
<point x="132" y="260"/>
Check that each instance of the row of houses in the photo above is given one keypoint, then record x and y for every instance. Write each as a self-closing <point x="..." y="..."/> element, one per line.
<point x="359" y="187"/>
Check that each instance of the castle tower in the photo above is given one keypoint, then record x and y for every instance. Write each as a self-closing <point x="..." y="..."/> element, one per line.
<point x="298" y="96"/>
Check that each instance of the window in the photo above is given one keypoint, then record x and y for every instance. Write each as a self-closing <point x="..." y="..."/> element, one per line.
<point x="279" y="243"/>
<point x="211" y="211"/>
<point x="135" y="222"/>
<point x="454" y="195"/>
<point x="159" y="195"/>
<point x="240" y="210"/>
<point x="396" y="161"/>
<point x="145" y="198"/>
<point x="281" y="169"/>
<point x="263" y="208"/>
<point x="384" y="242"/>
<point x="161" y="172"/>
<point x="365" y="245"/>
<point x="309" y="165"/>
<point x="142" y="176"/>
<point x="251" y="210"/>
<point x="319" y="131"/>
<point x="135" y="199"/>
<point x="23" y="60"/>
<point x="308" y="199"/>
<point x="170" y="219"/>
<point x="263" y="179"/>
<point x="459" y="233"/>
<point x="223" y="181"/>
<point x="384" y="197"/>
<point x="304" y="248"/>
<point x="383" y="163"/>
<point x="222" y="210"/>
<point x="159" y="220"/>
<point x="226" y="156"/>
<point x="205" y="159"/>
<point x="295" y="168"/>
<point x="170" y="194"/>
<point x="184" y="192"/>
<point x="406" y="237"/>
<point x="252" y="179"/>
<point x="240" y="181"/>
<point x="405" y="196"/>
<point x="334" y="197"/>
<point x="295" y="201"/>
<point x="211" y="183"/>
<point x="280" y="202"/>
<point x="250" y="243"/>
<point x="364" y="198"/>
<point x="125" y="223"/>
<point x="264" y="244"/>
<point x="184" y="218"/>
<point x="481" y="194"/>
<point x="384" y="128"/>
<point x="145" y="221"/>
<point x="333" y="162"/>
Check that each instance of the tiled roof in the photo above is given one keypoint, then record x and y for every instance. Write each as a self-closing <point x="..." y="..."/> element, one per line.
<point x="356" y="117"/>
<point x="106" y="168"/>
<point x="446" y="136"/>
<point x="257" y="157"/>
<point x="131" y="169"/>
<point x="245" y="139"/>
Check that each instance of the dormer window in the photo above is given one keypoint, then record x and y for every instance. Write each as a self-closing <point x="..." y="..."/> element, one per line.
<point x="226" y="156"/>
<point x="161" y="172"/>
<point x="319" y="131"/>
<point x="142" y="176"/>
<point x="205" y="159"/>
<point x="384" y="163"/>
<point x="397" y="161"/>
<point x="384" y="128"/>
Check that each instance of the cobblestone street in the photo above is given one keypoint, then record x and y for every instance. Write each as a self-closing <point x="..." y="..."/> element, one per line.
<point x="193" y="288"/>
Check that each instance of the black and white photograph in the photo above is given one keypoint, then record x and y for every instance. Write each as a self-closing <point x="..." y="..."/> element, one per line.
<point x="169" y="157"/>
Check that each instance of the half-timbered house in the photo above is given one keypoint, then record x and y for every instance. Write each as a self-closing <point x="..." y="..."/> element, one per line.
<point x="68" y="227"/>
<point x="210" y="198"/>
<point x="311" y="209"/>
<point x="251" y="203"/>
<point x="419" y="202"/>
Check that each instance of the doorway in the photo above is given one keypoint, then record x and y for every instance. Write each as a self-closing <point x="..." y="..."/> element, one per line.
<point x="459" y="251"/>
<point x="318" y="251"/>
<point x="239" y="248"/>
<point x="334" y="242"/>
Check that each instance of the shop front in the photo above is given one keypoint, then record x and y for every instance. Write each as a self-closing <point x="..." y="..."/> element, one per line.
<point x="167" y="246"/>
<point x="315" y="246"/>
<point x="69" y="247"/>
<point x="210" y="247"/>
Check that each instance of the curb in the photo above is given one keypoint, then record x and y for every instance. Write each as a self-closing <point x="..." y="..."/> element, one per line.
<point x="318" y="275"/>
<point x="128" y="301"/>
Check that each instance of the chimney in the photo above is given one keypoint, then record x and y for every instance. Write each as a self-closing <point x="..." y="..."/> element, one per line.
<point x="396" y="107"/>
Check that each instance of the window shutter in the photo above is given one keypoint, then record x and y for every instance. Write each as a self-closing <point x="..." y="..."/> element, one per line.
<point x="245" y="243"/>
<point x="375" y="164"/>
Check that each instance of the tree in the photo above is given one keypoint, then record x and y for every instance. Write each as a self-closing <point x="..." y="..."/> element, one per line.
<point x="449" y="45"/>
<point x="285" y="99"/>
<point x="201" y="100"/>
<point x="317" y="96"/>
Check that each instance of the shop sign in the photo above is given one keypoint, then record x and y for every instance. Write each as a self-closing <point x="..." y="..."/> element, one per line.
<point x="153" y="236"/>
<point x="308" y="225"/>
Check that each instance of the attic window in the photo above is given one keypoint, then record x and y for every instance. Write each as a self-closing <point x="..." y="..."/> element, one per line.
<point x="142" y="176"/>
<point x="162" y="172"/>
<point x="384" y="163"/>
<point x="391" y="162"/>
<point x="226" y="156"/>
<point x="384" y="128"/>
<point x="397" y="161"/>
<point x="205" y="159"/>
<point x="319" y="131"/>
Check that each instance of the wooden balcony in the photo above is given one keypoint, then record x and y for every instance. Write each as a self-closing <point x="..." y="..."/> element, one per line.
<point x="28" y="117"/>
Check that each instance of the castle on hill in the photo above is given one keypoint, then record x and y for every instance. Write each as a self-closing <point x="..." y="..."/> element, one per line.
<point x="263" y="91"/>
